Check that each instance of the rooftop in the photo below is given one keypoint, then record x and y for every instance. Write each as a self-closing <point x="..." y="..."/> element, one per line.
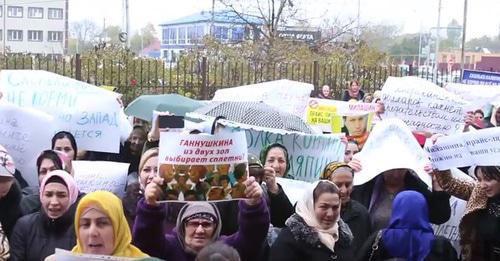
<point x="219" y="17"/>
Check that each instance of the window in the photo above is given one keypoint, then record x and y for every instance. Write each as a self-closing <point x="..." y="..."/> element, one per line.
<point x="1" y="11"/>
<point x="55" y="13"/>
<point x="15" y="11"/>
<point x="238" y="33"/>
<point x="35" y="36"/>
<point x="164" y="36"/>
<point x="221" y="32"/>
<point x="182" y="35"/>
<point x="55" y="36"/>
<point x="172" y="35"/>
<point x="1" y="35"/>
<point x="35" y="12"/>
<point x="14" y="35"/>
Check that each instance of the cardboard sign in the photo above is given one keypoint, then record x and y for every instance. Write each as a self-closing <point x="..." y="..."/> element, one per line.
<point x="101" y="175"/>
<point x="294" y="189"/>
<point x="477" y="95"/>
<point x="477" y="148"/>
<point x="391" y="145"/>
<point x="423" y="106"/>
<point x="66" y="255"/>
<point x="203" y="166"/>
<point x="90" y="113"/>
<point x="25" y="133"/>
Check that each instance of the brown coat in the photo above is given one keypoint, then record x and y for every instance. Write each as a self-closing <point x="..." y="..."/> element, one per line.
<point x="476" y="200"/>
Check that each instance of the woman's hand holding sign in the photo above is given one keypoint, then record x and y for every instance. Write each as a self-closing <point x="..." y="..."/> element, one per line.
<point x="153" y="191"/>
<point x="253" y="192"/>
<point x="270" y="179"/>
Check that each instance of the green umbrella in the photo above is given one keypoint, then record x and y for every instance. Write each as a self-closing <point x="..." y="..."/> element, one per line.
<point x="142" y="107"/>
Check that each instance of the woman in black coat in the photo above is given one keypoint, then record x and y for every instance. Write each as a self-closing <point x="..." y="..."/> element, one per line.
<point x="37" y="235"/>
<point x="10" y="193"/>
<point x="316" y="231"/>
<point x="409" y="235"/>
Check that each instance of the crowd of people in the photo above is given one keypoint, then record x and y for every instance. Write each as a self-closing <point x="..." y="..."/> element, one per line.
<point x="387" y="218"/>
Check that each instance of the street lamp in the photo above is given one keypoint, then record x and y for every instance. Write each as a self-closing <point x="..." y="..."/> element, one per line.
<point x="463" y="40"/>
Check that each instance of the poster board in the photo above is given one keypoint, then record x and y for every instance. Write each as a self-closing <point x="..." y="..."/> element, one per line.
<point x="110" y="176"/>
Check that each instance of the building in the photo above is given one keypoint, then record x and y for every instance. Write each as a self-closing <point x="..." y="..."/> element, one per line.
<point x="35" y="27"/>
<point x="484" y="61"/>
<point x="188" y="32"/>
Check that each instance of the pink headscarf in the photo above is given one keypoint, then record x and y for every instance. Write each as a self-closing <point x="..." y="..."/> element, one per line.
<point x="68" y="180"/>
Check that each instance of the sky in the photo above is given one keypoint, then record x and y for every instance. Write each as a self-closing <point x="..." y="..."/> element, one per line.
<point x="412" y="16"/>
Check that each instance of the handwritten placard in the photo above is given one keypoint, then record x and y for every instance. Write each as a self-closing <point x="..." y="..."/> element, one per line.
<point x="25" y="133"/>
<point x="423" y="106"/>
<point x="203" y="166"/>
<point x="391" y="145"/>
<point x="101" y="175"/>
<point x="66" y="255"/>
<point x="477" y="95"/>
<point x="477" y="148"/>
<point x="91" y="114"/>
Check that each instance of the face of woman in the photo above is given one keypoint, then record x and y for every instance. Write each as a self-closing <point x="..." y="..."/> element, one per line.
<point x="350" y="150"/>
<point x="327" y="209"/>
<point x="355" y="87"/>
<point x="343" y="179"/>
<point x="95" y="232"/>
<point x="55" y="200"/>
<point x="490" y="186"/>
<point x="5" y="184"/>
<point x="325" y="90"/>
<point x="64" y="145"/>
<point x="276" y="160"/>
<point x="149" y="170"/>
<point x="46" y="166"/>
<point x="198" y="233"/>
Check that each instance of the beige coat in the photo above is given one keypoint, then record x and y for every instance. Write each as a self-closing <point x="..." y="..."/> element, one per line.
<point x="476" y="200"/>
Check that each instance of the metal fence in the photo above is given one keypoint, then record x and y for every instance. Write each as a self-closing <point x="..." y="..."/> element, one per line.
<point x="201" y="78"/>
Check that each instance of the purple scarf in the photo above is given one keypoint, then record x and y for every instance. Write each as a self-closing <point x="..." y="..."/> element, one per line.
<point x="409" y="234"/>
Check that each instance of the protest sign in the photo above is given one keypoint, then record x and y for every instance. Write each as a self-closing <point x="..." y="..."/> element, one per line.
<point x="450" y="228"/>
<point x="477" y="148"/>
<point x="25" y="133"/>
<point x="391" y="145"/>
<point x="294" y="189"/>
<point x="91" y="114"/>
<point x="327" y="114"/>
<point x="423" y="106"/>
<point x="480" y="77"/>
<point x="67" y="255"/>
<point x="101" y="175"/>
<point x="203" y="166"/>
<point x="289" y="96"/>
<point x="477" y="95"/>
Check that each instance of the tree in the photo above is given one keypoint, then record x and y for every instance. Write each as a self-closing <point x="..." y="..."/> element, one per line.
<point x="112" y="33"/>
<point x="146" y="36"/>
<point x="84" y="31"/>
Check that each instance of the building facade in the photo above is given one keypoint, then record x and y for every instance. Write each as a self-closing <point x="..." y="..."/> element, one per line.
<point x="188" y="32"/>
<point x="34" y="27"/>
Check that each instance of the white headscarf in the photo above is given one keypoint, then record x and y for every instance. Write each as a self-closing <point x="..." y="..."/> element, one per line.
<point x="305" y="209"/>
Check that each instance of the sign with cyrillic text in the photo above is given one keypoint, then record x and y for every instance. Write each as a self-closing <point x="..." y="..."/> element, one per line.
<point x="423" y="106"/>
<point x="92" y="176"/>
<point x="477" y="148"/>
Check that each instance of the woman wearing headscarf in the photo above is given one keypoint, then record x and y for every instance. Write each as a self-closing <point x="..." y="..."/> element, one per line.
<point x="198" y="225"/>
<point x="37" y="235"/>
<point x="315" y="231"/>
<point x="480" y="226"/>
<point x="101" y="227"/>
<point x="352" y="212"/>
<point x="409" y="235"/>
<point x="10" y="193"/>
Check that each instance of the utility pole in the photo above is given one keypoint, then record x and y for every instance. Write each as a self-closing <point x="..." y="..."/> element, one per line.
<point x="4" y="31"/>
<point x="212" y="19"/>
<point x="436" y="55"/>
<point x="127" y="23"/>
<point x="462" y="56"/>
<point x="358" y="33"/>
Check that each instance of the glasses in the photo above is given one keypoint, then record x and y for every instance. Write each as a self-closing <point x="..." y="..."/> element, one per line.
<point x="196" y="224"/>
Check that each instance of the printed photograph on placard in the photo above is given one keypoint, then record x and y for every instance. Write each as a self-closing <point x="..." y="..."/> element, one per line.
<point x="203" y="167"/>
<point x="357" y="127"/>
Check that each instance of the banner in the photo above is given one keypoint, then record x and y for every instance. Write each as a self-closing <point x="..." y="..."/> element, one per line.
<point x="477" y="148"/>
<point x="480" y="77"/>
<point x="203" y="166"/>
<point x="67" y="255"/>
<point x="25" y="133"/>
<point x="423" y="106"/>
<point x="308" y="154"/>
<point x="450" y="229"/>
<point x="101" y="175"/>
<point x="338" y="116"/>
<point x="92" y="114"/>
<point x="391" y="145"/>
<point x="478" y="95"/>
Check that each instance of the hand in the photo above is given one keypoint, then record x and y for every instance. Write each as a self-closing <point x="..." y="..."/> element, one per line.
<point x="469" y="119"/>
<point x="153" y="191"/>
<point x="355" y="165"/>
<point x="253" y="192"/>
<point x="380" y="107"/>
<point x="435" y="137"/>
<point x="435" y="184"/>
<point x="270" y="179"/>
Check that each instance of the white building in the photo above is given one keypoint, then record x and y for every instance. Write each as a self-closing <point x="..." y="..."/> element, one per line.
<point x="36" y="27"/>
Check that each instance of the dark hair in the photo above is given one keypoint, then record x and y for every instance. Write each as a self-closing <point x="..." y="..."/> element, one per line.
<point x="489" y="172"/>
<point x="50" y="155"/>
<point x="69" y="136"/>
<point x="141" y="128"/>
<point x="353" y="81"/>
<point x="56" y="179"/>
<point x="479" y="111"/>
<point x="324" y="187"/>
<point x="218" y="251"/>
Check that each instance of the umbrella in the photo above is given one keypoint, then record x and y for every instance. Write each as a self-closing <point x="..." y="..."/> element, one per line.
<point x="142" y="107"/>
<point x="256" y="114"/>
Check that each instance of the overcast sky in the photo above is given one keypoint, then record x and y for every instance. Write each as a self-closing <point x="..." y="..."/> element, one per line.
<point x="412" y="15"/>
